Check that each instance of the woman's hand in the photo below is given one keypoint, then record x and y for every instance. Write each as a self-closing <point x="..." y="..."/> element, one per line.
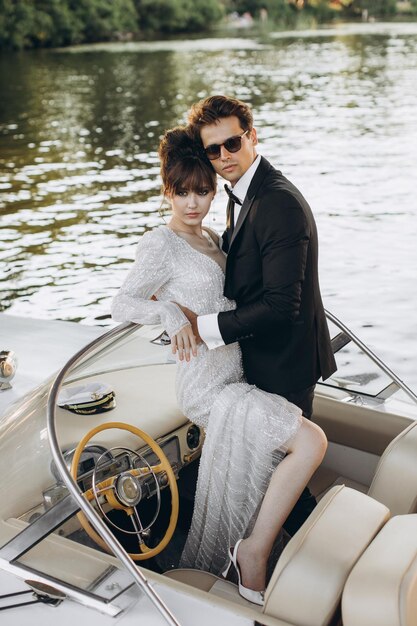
<point x="192" y="318"/>
<point x="185" y="343"/>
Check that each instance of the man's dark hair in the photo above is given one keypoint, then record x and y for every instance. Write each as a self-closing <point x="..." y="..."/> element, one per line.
<point x="214" y="108"/>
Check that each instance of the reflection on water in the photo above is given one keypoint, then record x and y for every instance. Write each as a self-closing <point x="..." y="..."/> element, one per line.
<point x="335" y="110"/>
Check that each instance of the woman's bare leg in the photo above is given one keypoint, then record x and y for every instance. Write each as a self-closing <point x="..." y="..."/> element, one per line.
<point x="304" y="455"/>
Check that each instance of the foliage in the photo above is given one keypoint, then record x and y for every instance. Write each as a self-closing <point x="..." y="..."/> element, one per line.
<point x="16" y="20"/>
<point x="102" y="20"/>
<point x="285" y="12"/>
<point x="322" y="9"/>
<point x="382" y="8"/>
<point x="36" y="23"/>
<point x="278" y="10"/>
<point x="30" y="23"/>
<point x="178" y="15"/>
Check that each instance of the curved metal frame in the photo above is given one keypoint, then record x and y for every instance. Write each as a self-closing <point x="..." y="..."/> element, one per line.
<point x="371" y="355"/>
<point x="72" y="486"/>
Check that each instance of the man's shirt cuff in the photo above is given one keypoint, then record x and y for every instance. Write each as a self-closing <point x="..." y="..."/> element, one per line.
<point x="208" y="328"/>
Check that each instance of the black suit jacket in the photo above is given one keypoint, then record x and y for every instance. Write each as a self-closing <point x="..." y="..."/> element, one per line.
<point x="272" y="274"/>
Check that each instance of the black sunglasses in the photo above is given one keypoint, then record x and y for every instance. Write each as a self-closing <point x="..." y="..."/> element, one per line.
<point x="232" y="144"/>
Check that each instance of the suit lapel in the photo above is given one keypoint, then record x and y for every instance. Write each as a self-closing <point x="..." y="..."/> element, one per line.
<point x="247" y="203"/>
<point x="256" y="182"/>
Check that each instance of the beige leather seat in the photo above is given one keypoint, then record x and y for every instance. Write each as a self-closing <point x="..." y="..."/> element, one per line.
<point x="395" y="479"/>
<point x="315" y="563"/>
<point x="382" y="587"/>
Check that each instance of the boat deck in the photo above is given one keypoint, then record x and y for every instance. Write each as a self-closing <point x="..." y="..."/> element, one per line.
<point x="42" y="347"/>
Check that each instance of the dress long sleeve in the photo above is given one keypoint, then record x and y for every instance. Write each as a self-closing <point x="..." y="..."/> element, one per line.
<point x="152" y="269"/>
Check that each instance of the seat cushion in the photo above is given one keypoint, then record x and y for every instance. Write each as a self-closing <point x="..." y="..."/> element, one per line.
<point x="382" y="587"/>
<point x="395" y="480"/>
<point x="317" y="561"/>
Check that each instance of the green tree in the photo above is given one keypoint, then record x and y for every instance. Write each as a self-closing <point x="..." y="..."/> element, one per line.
<point x="381" y="8"/>
<point x="205" y="13"/>
<point x="16" y="23"/>
<point x="178" y="15"/>
<point x="103" y="19"/>
<point x="279" y="11"/>
<point x="25" y="23"/>
<point x="320" y="9"/>
<point x="55" y="24"/>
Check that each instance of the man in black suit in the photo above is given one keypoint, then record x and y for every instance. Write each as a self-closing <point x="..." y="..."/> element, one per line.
<point x="271" y="269"/>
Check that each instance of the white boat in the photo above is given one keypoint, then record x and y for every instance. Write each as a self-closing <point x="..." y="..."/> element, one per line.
<point x="103" y="547"/>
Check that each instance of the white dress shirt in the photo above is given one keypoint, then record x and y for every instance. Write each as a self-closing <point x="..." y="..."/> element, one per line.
<point x="208" y="325"/>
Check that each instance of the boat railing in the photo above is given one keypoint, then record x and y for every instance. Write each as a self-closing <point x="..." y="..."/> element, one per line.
<point x="99" y="525"/>
<point x="346" y="336"/>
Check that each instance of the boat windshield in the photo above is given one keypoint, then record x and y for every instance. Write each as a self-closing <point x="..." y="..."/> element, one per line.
<point x="359" y="371"/>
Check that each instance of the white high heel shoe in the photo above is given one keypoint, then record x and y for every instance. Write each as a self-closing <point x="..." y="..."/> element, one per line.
<point x="256" y="597"/>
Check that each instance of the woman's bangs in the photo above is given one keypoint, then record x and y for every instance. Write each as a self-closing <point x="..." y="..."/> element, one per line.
<point x="195" y="177"/>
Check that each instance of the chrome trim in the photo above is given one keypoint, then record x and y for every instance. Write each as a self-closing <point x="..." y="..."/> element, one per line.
<point x="40" y="528"/>
<point x="85" y="506"/>
<point x="128" y="327"/>
<point x="398" y="382"/>
<point x="8" y="367"/>
<point x="83" y="597"/>
<point x="162" y="339"/>
<point x="121" y="368"/>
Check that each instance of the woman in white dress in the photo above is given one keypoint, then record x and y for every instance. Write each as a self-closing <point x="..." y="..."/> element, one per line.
<point x="259" y="452"/>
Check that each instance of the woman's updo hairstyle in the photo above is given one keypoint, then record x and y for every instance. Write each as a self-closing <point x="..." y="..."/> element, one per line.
<point x="184" y="164"/>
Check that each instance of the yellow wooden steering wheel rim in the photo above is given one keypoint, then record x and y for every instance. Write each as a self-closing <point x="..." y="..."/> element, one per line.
<point x="163" y="466"/>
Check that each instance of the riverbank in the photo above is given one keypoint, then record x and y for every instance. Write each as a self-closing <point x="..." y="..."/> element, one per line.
<point x="52" y="23"/>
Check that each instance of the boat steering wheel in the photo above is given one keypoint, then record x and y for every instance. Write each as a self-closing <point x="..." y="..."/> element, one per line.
<point x="124" y="490"/>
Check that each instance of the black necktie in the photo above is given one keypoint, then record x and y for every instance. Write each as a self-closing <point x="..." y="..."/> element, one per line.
<point x="230" y="211"/>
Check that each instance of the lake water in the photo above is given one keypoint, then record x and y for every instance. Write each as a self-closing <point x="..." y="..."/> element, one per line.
<point x="335" y="109"/>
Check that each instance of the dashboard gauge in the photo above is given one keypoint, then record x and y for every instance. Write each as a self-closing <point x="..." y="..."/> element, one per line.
<point x="193" y="437"/>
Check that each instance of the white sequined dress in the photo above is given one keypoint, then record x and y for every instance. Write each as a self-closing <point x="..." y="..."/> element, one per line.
<point x="247" y="430"/>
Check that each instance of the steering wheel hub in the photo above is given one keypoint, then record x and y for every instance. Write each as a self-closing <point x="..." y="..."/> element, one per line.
<point x="128" y="489"/>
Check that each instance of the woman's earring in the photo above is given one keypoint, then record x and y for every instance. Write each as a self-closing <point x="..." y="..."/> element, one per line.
<point x="161" y="212"/>
<point x="163" y="208"/>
